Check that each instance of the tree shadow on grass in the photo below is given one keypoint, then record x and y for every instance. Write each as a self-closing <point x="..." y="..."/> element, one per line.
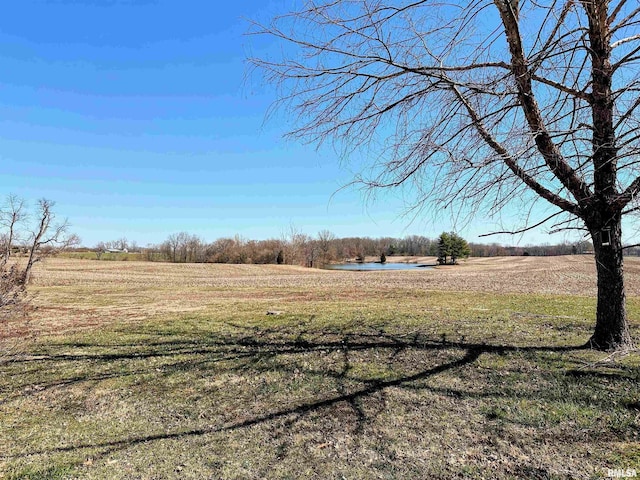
<point x="248" y="347"/>
<point x="244" y="350"/>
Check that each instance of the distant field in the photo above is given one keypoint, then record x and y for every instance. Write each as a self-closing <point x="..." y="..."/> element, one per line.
<point x="157" y="370"/>
<point x="106" y="256"/>
<point x="75" y="293"/>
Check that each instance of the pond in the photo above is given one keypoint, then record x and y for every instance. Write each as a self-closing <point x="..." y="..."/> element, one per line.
<point x="371" y="266"/>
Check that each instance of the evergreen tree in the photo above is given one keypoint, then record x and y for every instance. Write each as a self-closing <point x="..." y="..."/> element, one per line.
<point x="459" y="247"/>
<point x="453" y="246"/>
<point x="444" y="247"/>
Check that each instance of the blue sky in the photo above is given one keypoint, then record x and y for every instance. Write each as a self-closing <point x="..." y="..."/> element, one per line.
<point x="137" y="119"/>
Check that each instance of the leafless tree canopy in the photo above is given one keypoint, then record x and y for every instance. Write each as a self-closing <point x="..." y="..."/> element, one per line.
<point x="48" y="237"/>
<point x="12" y="216"/>
<point x="477" y="103"/>
<point x="38" y="235"/>
<point x="473" y="102"/>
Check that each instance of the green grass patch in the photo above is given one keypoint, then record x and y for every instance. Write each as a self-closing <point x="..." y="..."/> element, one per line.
<point x="398" y="383"/>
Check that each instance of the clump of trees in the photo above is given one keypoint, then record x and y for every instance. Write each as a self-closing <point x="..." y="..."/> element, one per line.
<point x="452" y="246"/>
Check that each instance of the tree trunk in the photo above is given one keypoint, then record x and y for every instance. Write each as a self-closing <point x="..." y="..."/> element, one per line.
<point x="26" y="275"/>
<point x="612" y="327"/>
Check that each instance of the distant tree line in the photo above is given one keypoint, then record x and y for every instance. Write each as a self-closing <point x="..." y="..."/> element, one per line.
<point x="497" y="250"/>
<point x="293" y="248"/>
<point x="296" y="248"/>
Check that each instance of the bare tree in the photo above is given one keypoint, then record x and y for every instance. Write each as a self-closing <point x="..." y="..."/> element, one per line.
<point x="15" y="309"/>
<point x="48" y="237"/>
<point x="121" y="244"/>
<point x="296" y="247"/>
<point x="100" y="249"/>
<point x="170" y="247"/>
<point x="11" y="217"/>
<point x="325" y="246"/>
<point x="183" y="248"/>
<point x="477" y="104"/>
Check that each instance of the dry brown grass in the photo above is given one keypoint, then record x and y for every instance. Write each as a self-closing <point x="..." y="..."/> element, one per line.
<point x="74" y="294"/>
<point x="564" y="275"/>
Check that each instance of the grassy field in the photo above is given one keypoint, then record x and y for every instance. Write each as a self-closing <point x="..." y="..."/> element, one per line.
<point x="150" y="370"/>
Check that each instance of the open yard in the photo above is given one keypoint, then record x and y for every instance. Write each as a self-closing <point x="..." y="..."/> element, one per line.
<point x="153" y="370"/>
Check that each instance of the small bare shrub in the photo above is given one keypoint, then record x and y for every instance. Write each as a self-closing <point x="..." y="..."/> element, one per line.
<point x="15" y="309"/>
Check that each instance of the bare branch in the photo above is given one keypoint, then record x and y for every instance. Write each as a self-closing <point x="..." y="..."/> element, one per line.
<point x="562" y="88"/>
<point x="522" y="76"/>
<point x="629" y="194"/>
<point x="522" y="230"/>
<point x="512" y="164"/>
<point x="47" y="238"/>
